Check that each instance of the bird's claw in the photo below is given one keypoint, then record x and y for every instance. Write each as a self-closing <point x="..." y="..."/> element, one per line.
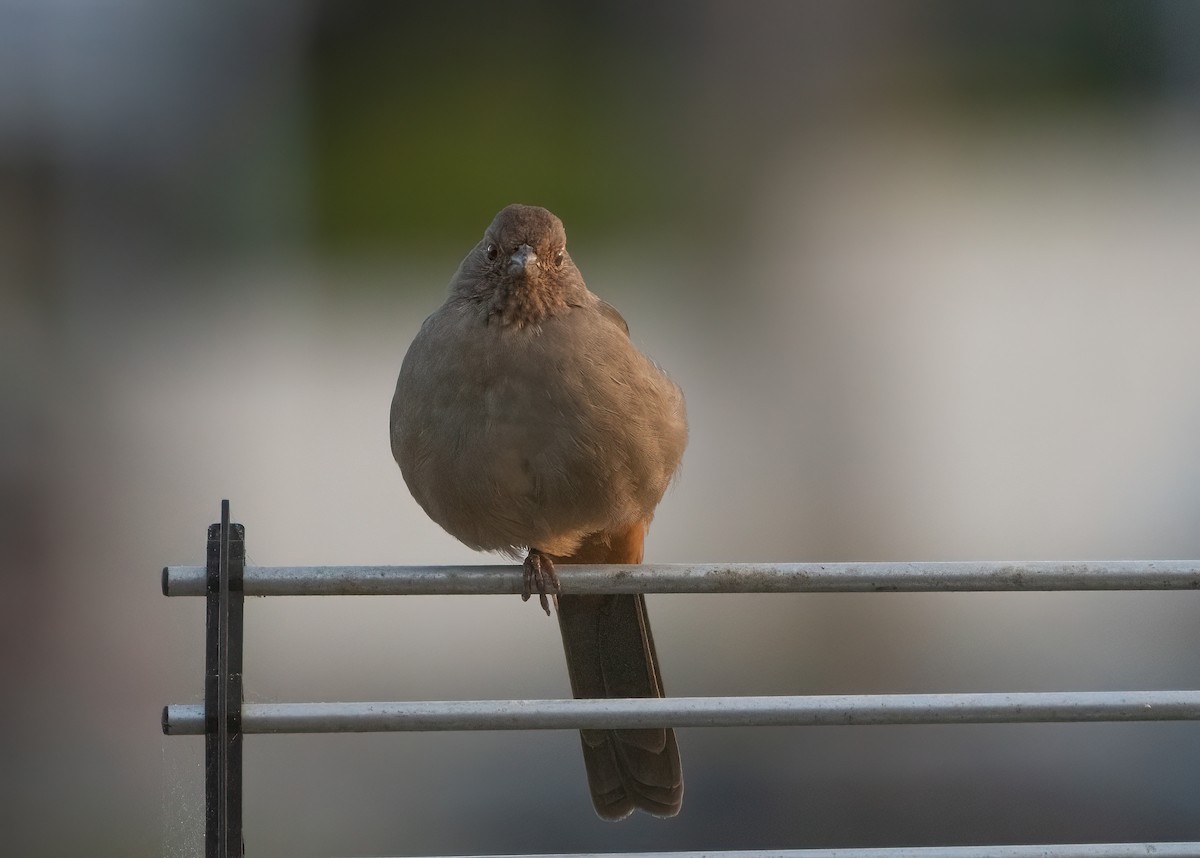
<point x="539" y="576"/>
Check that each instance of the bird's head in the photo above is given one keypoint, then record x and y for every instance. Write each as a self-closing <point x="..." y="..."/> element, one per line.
<point x="525" y="243"/>
<point x="521" y="266"/>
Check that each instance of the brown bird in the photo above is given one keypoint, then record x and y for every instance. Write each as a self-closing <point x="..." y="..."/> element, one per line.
<point x="525" y="421"/>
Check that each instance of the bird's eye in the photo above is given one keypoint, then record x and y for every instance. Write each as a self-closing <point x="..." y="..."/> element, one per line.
<point x="491" y="251"/>
<point x="558" y="259"/>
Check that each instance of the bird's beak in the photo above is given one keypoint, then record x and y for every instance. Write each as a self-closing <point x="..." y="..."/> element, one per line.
<point x="523" y="260"/>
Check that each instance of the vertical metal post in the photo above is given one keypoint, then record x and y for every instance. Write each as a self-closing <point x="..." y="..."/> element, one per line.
<point x="223" y="690"/>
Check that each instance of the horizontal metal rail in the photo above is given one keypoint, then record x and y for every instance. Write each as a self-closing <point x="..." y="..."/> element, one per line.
<point x="819" y="710"/>
<point x="705" y="578"/>
<point x="806" y="711"/>
<point x="1056" y="850"/>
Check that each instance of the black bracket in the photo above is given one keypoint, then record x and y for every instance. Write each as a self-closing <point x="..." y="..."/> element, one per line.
<point x="226" y="559"/>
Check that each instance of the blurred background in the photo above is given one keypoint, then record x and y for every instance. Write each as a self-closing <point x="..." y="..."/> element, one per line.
<point x="926" y="271"/>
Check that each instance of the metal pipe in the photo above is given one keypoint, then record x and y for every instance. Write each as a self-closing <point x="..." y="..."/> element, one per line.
<point x="990" y="576"/>
<point x="806" y="711"/>
<point x="1053" y="850"/>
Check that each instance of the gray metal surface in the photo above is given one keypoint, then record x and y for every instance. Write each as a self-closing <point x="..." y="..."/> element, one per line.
<point x="706" y="578"/>
<point x="1065" y="850"/>
<point x="891" y="709"/>
<point x="807" y="711"/>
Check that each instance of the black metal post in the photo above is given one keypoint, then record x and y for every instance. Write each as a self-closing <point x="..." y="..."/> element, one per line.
<point x="223" y="690"/>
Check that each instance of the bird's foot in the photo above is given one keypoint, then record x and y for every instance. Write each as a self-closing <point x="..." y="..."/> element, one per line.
<point x="539" y="576"/>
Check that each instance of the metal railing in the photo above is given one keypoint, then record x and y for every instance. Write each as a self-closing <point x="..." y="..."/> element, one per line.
<point x="224" y="718"/>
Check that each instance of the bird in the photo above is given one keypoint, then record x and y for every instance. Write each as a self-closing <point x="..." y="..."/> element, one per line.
<point x="525" y="421"/>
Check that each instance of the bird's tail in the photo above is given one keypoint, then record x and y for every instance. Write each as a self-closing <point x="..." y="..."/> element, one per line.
<point x="610" y="653"/>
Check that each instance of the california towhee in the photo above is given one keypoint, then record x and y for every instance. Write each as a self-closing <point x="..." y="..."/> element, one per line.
<point x="526" y="421"/>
